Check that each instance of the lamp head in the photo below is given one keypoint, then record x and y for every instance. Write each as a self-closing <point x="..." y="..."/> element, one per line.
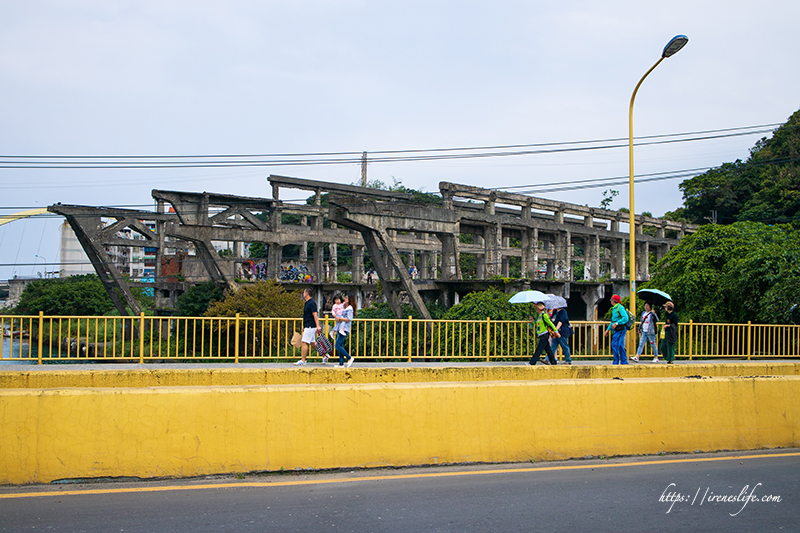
<point x="674" y="45"/>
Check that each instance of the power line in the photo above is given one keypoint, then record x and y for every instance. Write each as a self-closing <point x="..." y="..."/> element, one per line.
<point x="335" y="158"/>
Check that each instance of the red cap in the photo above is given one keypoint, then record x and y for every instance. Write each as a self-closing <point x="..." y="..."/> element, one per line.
<point x="615" y="299"/>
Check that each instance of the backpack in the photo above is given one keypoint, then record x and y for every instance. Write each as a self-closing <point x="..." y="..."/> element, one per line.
<point x="631" y="321"/>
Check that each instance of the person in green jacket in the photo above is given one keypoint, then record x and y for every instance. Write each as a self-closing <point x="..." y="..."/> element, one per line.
<point x="544" y="329"/>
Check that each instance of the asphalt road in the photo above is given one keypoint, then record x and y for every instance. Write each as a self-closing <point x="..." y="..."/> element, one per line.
<point x="661" y="493"/>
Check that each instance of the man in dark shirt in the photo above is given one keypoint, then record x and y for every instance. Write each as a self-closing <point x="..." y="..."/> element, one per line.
<point x="310" y="326"/>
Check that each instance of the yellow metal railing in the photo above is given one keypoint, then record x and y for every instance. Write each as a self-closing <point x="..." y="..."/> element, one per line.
<point x="147" y="338"/>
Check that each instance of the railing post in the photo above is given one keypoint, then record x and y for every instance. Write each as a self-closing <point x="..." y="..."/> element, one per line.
<point x="141" y="337"/>
<point x="41" y="334"/>
<point x="488" y="327"/>
<point x="236" y="340"/>
<point x="691" y="339"/>
<point x="749" y="338"/>
<point x="409" y="338"/>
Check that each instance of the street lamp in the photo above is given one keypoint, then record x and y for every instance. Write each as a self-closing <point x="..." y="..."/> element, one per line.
<point x="673" y="46"/>
<point x="45" y="263"/>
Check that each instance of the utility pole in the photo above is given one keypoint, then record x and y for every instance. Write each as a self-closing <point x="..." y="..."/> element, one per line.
<point x="364" y="169"/>
<point x="713" y="217"/>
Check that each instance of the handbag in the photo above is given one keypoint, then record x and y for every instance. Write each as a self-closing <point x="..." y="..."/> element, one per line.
<point x="297" y="340"/>
<point x="324" y="346"/>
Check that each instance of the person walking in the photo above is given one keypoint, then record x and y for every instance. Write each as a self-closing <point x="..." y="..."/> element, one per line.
<point x="670" y="332"/>
<point x="544" y="329"/>
<point x="649" y="329"/>
<point x="618" y="327"/>
<point x="564" y="329"/>
<point x="344" y="322"/>
<point x="311" y="326"/>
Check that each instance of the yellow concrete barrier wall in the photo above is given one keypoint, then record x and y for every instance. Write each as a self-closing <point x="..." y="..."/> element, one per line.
<point x="76" y="376"/>
<point x="48" y="435"/>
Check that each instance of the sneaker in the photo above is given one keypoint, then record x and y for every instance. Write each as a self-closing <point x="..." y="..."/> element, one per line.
<point x="350" y="362"/>
<point x="655" y="359"/>
<point x="635" y="358"/>
<point x="324" y="359"/>
<point x="300" y="363"/>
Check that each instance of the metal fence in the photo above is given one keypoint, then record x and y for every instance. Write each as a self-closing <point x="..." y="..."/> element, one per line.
<point x="143" y="339"/>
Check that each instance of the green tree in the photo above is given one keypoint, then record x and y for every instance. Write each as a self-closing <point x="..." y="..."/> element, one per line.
<point x="742" y="272"/>
<point x="198" y="298"/>
<point x="74" y="295"/>
<point x="764" y="188"/>
<point x="490" y="303"/>
<point x="261" y="299"/>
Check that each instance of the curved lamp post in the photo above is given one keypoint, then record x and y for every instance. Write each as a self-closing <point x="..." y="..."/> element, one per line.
<point x="673" y="46"/>
<point x="45" y="263"/>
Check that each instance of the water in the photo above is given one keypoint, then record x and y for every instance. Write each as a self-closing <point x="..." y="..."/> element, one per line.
<point x="16" y="353"/>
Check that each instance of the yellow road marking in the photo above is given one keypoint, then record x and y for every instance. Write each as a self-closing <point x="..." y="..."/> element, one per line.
<point x="386" y="478"/>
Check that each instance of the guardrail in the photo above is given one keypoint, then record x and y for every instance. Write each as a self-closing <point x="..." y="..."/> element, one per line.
<point x="143" y="338"/>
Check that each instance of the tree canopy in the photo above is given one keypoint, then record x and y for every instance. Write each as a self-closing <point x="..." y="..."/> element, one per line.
<point x="765" y="188"/>
<point x="73" y="295"/>
<point x="196" y="300"/>
<point x="261" y="299"/>
<point x="735" y="273"/>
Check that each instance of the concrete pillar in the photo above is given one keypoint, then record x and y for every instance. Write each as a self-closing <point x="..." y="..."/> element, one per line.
<point x="618" y="259"/>
<point x="447" y="200"/>
<point x="592" y="258"/>
<point x="358" y="265"/>
<point x="334" y="259"/>
<point x="318" y="268"/>
<point x="451" y="269"/>
<point x="563" y="256"/>
<point x="493" y="241"/>
<point x="274" y="253"/>
<point x="525" y="265"/>
<point x="424" y="265"/>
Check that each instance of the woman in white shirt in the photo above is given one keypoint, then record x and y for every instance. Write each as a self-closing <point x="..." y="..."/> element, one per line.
<point x="343" y="324"/>
<point x="649" y="333"/>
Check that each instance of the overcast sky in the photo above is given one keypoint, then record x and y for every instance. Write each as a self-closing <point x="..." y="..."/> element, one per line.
<point x="88" y="77"/>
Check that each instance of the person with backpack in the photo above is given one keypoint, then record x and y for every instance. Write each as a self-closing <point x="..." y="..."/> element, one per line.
<point x="562" y="325"/>
<point x="649" y="331"/>
<point x="618" y="328"/>
<point x="544" y="329"/>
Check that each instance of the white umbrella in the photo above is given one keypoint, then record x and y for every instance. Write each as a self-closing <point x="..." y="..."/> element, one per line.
<point x="555" y="302"/>
<point x="528" y="297"/>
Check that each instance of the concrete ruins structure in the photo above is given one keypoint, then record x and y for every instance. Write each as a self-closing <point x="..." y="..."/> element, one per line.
<point x="542" y="241"/>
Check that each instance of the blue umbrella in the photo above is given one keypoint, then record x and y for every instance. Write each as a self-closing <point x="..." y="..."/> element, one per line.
<point x="654" y="296"/>
<point x="528" y="297"/>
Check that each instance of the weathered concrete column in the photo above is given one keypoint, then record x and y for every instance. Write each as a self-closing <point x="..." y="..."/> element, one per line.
<point x="451" y="269"/>
<point x="493" y="240"/>
<point x="591" y="252"/>
<point x="525" y="266"/>
<point x="447" y="200"/>
<point x="642" y="260"/>
<point x="563" y="256"/>
<point x="334" y="259"/>
<point x="318" y="269"/>
<point x="618" y="259"/>
<point x="504" y="259"/>
<point x="304" y="246"/>
<point x="274" y="253"/>
<point x="424" y="265"/>
<point x="358" y="264"/>
<point x="535" y="254"/>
